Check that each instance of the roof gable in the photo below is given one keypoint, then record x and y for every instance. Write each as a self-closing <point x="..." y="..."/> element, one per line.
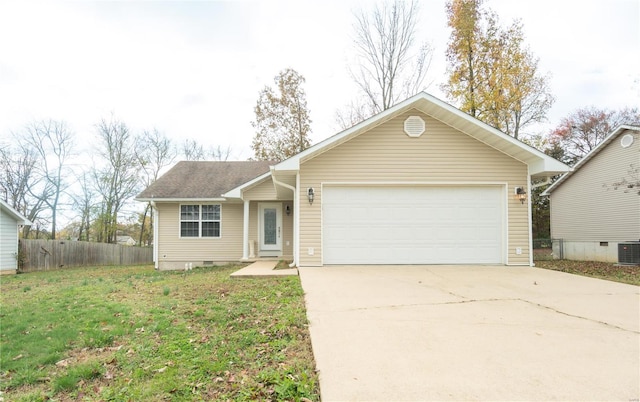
<point x="539" y="164"/>
<point x="13" y="214"/>
<point x="595" y="151"/>
<point x="192" y="180"/>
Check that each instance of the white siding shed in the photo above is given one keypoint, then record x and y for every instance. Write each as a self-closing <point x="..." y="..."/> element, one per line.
<point x="10" y="222"/>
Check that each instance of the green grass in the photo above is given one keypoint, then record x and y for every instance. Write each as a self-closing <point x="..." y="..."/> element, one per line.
<point x="133" y="333"/>
<point x="629" y="274"/>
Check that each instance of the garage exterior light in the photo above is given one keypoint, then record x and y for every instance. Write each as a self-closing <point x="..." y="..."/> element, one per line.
<point x="310" y="195"/>
<point x="521" y="194"/>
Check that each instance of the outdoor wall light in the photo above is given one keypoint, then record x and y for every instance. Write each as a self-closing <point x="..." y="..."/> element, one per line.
<point x="310" y="195"/>
<point x="287" y="210"/>
<point x="521" y="194"/>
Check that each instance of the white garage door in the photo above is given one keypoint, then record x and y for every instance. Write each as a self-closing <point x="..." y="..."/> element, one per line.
<point x="412" y="225"/>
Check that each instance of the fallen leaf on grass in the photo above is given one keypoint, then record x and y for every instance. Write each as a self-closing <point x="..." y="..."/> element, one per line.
<point x="63" y="363"/>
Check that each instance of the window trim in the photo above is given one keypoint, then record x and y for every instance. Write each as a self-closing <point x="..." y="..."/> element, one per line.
<point x="200" y="221"/>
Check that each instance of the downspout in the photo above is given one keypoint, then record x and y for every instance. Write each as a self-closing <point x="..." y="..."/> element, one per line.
<point x="245" y="230"/>
<point x="156" y="215"/>
<point x="530" y="218"/>
<point x="296" y="221"/>
<point x="295" y="217"/>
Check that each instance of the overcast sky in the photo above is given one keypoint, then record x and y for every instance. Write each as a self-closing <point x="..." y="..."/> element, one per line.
<point x="194" y="69"/>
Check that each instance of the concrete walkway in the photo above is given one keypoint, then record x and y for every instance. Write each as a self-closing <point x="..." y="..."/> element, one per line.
<point x="261" y="269"/>
<point x="415" y="333"/>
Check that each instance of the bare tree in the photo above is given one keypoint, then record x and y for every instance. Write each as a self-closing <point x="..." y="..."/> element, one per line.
<point x="117" y="180"/>
<point x="85" y="203"/>
<point x="52" y="143"/>
<point x="18" y="181"/>
<point x="193" y="151"/>
<point x="584" y="129"/>
<point x="352" y="114"/>
<point x="16" y="173"/>
<point x="628" y="183"/>
<point x="154" y="152"/>
<point x="220" y="154"/>
<point x="391" y="65"/>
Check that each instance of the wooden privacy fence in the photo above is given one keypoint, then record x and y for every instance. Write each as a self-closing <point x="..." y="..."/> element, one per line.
<point x="40" y="255"/>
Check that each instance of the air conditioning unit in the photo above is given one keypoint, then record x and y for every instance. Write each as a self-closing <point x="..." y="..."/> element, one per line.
<point x="629" y="253"/>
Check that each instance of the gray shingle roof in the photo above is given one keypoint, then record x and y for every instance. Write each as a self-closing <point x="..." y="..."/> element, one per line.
<point x="188" y="179"/>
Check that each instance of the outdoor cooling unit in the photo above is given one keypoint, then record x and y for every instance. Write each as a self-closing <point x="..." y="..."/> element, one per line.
<point x="629" y="253"/>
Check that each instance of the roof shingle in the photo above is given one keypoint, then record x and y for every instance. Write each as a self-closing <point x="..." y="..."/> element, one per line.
<point x="203" y="179"/>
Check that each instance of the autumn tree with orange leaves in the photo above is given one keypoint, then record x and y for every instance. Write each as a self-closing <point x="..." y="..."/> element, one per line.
<point x="584" y="129"/>
<point x="493" y="76"/>
<point x="282" y="119"/>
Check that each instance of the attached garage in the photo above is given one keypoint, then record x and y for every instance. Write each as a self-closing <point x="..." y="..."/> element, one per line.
<point x="414" y="224"/>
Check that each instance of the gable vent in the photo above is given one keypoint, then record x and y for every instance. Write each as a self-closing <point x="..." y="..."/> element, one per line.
<point x="626" y="141"/>
<point x="414" y="126"/>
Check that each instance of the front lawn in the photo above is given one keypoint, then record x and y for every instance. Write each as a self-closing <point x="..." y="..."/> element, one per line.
<point x="133" y="333"/>
<point x="603" y="270"/>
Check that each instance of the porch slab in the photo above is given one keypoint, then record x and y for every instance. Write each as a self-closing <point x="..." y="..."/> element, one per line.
<point x="263" y="269"/>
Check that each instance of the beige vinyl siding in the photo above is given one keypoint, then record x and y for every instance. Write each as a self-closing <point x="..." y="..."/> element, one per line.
<point x="386" y="154"/>
<point x="287" y="231"/>
<point x="174" y="251"/>
<point x="173" y="248"/>
<point x="586" y="208"/>
<point x="264" y="191"/>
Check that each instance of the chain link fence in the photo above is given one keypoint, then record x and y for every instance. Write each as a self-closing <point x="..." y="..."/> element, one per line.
<point x="547" y="249"/>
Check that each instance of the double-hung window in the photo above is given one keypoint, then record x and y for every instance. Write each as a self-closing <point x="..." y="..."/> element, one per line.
<point x="200" y="220"/>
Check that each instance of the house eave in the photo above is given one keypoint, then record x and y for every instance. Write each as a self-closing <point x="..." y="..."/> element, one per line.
<point x="546" y="168"/>
<point x="539" y="164"/>
<point x="15" y="215"/>
<point x="614" y="134"/>
<point x="219" y="199"/>
<point x="237" y="192"/>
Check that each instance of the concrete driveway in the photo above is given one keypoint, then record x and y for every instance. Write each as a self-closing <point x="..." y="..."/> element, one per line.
<point x="392" y="333"/>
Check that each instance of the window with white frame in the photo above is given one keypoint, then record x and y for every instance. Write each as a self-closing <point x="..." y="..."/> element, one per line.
<point x="200" y="220"/>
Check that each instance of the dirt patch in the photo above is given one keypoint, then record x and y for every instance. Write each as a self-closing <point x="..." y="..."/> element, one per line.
<point x="283" y="264"/>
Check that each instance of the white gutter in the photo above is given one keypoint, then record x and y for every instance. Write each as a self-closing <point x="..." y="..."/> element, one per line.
<point x="219" y="199"/>
<point x="295" y="205"/>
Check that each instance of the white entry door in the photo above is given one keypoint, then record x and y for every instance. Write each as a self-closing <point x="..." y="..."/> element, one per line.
<point x="270" y="228"/>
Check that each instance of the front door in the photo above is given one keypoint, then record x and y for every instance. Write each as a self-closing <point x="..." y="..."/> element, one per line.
<point x="270" y="228"/>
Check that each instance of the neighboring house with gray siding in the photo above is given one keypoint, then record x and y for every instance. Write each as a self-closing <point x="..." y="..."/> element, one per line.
<point x="420" y="183"/>
<point x="10" y="223"/>
<point x="588" y="212"/>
